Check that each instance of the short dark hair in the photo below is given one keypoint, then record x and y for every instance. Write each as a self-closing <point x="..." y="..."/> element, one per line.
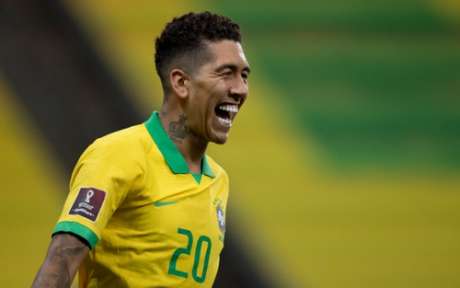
<point x="185" y="36"/>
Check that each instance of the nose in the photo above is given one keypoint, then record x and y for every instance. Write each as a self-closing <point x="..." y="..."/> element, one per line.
<point x="239" y="89"/>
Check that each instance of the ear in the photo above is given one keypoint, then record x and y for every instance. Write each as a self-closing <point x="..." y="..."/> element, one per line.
<point x="179" y="80"/>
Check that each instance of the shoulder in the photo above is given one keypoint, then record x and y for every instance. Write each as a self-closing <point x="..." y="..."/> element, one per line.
<point x="132" y="140"/>
<point x="126" y="146"/>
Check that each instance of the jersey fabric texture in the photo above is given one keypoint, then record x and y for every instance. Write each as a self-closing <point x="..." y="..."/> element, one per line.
<point x="148" y="220"/>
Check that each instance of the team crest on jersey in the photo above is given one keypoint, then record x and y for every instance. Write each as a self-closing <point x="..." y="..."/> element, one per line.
<point x="88" y="203"/>
<point x="220" y="218"/>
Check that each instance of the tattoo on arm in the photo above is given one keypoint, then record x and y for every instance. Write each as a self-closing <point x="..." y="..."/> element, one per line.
<point x="178" y="130"/>
<point x="65" y="254"/>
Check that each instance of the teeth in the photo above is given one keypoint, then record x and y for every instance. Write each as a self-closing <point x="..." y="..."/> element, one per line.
<point x="225" y="122"/>
<point x="229" y="108"/>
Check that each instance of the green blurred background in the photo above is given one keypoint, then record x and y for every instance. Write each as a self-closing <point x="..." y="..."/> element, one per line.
<point x="344" y="164"/>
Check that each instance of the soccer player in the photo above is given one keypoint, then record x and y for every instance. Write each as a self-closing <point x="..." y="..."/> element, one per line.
<point x="146" y="206"/>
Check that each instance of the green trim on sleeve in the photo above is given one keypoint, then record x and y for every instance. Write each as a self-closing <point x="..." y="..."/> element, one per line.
<point x="78" y="229"/>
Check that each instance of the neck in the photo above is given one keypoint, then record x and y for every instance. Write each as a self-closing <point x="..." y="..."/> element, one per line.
<point x="190" y="145"/>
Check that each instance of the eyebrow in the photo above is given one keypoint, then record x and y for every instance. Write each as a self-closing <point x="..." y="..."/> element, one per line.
<point x="233" y="67"/>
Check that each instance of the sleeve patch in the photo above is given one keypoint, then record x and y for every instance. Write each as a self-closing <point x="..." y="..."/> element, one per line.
<point x="88" y="203"/>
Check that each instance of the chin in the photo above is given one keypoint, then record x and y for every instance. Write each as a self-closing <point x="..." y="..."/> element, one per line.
<point x="219" y="139"/>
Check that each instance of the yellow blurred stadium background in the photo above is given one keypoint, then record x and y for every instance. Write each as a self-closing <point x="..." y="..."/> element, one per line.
<point x="344" y="165"/>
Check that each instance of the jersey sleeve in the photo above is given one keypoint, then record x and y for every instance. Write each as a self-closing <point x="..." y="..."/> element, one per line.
<point x="101" y="180"/>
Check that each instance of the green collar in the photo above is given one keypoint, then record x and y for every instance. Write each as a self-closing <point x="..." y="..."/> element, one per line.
<point x="172" y="155"/>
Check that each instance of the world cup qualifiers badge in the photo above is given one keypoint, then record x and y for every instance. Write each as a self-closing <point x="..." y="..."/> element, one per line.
<point x="88" y="203"/>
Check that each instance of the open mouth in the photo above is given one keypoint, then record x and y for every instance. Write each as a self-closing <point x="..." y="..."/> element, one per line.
<point x="226" y="113"/>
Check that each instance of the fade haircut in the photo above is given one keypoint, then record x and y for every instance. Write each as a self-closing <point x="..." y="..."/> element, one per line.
<point x="182" y="44"/>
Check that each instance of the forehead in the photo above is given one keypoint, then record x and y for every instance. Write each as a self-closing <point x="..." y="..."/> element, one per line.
<point x="226" y="52"/>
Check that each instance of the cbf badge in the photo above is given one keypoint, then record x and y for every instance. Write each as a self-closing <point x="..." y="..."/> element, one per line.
<point x="88" y="203"/>
<point x="220" y="218"/>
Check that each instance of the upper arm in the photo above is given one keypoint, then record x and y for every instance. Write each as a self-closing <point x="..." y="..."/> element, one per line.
<point x="67" y="249"/>
<point x="101" y="180"/>
<point x="65" y="254"/>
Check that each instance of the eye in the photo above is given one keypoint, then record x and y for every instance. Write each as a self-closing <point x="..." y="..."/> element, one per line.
<point x="245" y="75"/>
<point x="227" y="73"/>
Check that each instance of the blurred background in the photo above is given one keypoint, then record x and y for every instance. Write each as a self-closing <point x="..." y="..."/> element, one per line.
<point x="344" y="163"/>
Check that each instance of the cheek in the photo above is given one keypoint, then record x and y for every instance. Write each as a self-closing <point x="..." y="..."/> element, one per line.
<point x="206" y="96"/>
<point x="202" y="107"/>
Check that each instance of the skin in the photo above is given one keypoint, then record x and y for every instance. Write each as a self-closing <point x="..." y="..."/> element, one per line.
<point x="188" y="115"/>
<point x="65" y="254"/>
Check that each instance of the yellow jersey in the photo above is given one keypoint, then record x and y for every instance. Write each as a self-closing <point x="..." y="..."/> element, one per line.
<point x="148" y="220"/>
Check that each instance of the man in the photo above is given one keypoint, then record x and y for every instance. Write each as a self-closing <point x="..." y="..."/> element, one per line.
<point x="146" y="206"/>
